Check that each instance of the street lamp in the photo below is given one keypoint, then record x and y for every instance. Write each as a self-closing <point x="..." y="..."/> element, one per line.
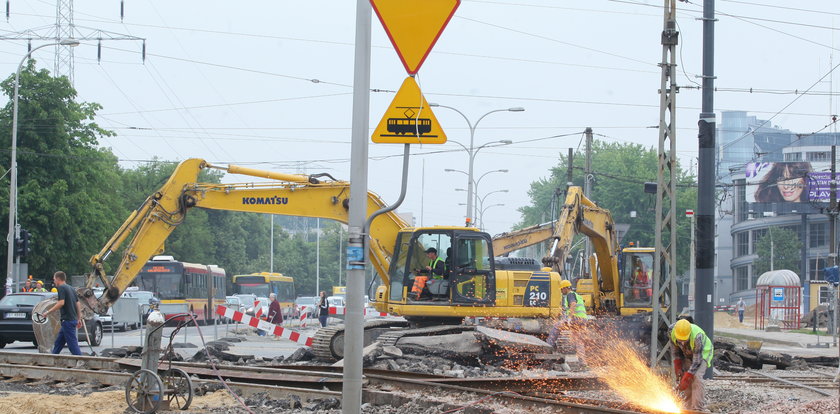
<point x="475" y="184"/>
<point x="488" y="208"/>
<point x="481" y="204"/>
<point x="473" y="151"/>
<point x="14" y="228"/>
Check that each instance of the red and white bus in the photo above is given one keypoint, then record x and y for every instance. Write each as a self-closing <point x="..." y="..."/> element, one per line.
<point x="184" y="287"/>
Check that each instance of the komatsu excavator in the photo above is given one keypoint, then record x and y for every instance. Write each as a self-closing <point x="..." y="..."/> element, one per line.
<point x="620" y="280"/>
<point x="474" y="285"/>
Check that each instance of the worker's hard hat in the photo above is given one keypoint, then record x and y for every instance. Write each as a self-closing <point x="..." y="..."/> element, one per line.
<point x="38" y="281"/>
<point x="682" y="329"/>
<point x="565" y="284"/>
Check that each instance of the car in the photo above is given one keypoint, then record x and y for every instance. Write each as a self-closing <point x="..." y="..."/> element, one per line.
<point x="310" y="303"/>
<point x="16" y="320"/>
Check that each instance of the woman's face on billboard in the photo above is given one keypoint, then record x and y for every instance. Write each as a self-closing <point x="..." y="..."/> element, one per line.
<point x="790" y="187"/>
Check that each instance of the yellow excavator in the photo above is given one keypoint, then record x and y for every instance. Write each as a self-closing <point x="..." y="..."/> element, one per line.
<point x="476" y="285"/>
<point x="620" y="280"/>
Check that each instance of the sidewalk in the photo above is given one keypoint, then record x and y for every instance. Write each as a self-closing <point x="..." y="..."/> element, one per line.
<point x="788" y="342"/>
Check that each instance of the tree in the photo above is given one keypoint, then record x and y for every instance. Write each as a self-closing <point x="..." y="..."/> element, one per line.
<point x="67" y="185"/>
<point x="780" y="246"/>
<point x="619" y="171"/>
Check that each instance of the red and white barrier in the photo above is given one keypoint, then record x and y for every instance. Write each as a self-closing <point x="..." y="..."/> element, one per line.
<point x="341" y="310"/>
<point x="303" y="315"/>
<point x="264" y="326"/>
<point x="257" y="309"/>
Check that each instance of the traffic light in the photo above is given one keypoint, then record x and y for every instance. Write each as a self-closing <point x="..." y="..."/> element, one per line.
<point x="25" y="243"/>
<point x="22" y="244"/>
<point x="18" y="247"/>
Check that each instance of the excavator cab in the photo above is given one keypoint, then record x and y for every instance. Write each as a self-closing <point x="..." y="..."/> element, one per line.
<point x="637" y="278"/>
<point x="468" y="274"/>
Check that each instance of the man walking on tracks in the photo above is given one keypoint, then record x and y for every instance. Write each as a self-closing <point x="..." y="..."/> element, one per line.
<point x="71" y="311"/>
<point x="692" y="354"/>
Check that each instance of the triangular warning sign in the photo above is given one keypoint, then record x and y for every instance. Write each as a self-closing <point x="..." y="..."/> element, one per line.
<point x="414" y="26"/>
<point x="409" y="119"/>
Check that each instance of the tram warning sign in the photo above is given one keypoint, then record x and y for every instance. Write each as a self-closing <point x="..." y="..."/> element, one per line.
<point x="414" y="26"/>
<point x="409" y="119"/>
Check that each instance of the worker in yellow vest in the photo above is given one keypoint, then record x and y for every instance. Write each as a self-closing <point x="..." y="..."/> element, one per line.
<point x="692" y="354"/>
<point x="574" y="310"/>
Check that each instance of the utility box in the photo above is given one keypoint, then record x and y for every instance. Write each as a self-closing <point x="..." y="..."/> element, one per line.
<point x="126" y="312"/>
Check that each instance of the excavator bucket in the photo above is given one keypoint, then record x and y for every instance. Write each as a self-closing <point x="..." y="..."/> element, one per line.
<point x="46" y="328"/>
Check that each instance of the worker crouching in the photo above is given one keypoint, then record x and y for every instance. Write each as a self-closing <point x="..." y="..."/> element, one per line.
<point x="692" y="354"/>
<point x="573" y="319"/>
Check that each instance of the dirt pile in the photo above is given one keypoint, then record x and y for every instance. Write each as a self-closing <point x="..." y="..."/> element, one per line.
<point x="725" y="320"/>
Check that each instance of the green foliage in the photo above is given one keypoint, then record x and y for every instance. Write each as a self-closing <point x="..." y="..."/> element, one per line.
<point x="619" y="171"/>
<point x="786" y="249"/>
<point x="66" y="184"/>
<point x="73" y="196"/>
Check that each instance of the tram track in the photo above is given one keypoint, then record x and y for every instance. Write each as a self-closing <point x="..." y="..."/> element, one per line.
<point x="310" y="382"/>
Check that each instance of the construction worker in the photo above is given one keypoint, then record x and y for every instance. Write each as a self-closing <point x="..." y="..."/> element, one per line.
<point x="692" y="354"/>
<point x="572" y="302"/>
<point x="573" y="308"/>
<point x="641" y="281"/>
<point x="27" y="287"/>
<point x="39" y="286"/>
<point x="435" y="269"/>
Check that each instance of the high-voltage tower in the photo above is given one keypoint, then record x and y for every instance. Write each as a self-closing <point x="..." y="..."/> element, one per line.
<point x="665" y="259"/>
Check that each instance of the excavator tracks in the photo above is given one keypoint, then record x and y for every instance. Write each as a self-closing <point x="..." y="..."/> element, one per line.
<point x="328" y="343"/>
<point x="391" y="338"/>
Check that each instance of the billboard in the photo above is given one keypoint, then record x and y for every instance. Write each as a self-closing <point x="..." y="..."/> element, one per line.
<point x="788" y="182"/>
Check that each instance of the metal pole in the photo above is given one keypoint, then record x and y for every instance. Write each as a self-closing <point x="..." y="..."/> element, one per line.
<point x="351" y="393"/>
<point x="706" y="183"/>
<point x="587" y="185"/>
<point x="317" y="251"/>
<point x="692" y="264"/>
<point x="271" y="246"/>
<point x="803" y="269"/>
<point x="832" y="212"/>
<point x="14" y="228"/>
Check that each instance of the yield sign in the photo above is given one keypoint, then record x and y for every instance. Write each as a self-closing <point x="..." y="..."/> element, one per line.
<point x="409" y="119"/>
<point x="414" y="26"/>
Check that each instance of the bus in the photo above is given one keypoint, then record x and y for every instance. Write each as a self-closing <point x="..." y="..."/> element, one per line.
<point x="184" y="287"/>
<point x="263" y="283"/>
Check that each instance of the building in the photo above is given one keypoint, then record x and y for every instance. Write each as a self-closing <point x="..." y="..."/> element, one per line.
<point x="786" y="187"/>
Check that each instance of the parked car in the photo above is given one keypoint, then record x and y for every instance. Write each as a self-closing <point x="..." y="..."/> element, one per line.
<point x="16" y="320"/>
<point x="310" y="303"/>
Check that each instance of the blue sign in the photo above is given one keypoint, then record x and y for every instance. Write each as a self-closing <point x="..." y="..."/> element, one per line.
<point x="832" y="274"/>
<point x="778" y="293"/>
<point x="355" y="258"/>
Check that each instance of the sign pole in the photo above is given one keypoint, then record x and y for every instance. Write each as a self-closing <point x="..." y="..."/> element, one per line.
<point x="351" y="393"/>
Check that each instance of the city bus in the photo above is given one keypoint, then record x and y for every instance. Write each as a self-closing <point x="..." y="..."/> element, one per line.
<point x="184" y="287"/>
<point x="263" y="283"/>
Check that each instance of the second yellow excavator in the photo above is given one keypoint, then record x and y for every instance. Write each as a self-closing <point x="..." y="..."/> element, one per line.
<point x="620" y="280"/>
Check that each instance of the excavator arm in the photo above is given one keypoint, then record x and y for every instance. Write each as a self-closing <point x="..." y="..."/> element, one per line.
<point x="505" y="243"/>
<point x="146" y="229"/>
<point x="580" y="215"/>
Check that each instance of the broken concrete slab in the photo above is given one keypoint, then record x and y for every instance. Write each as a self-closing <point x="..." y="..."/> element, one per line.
<point x="369" y="353"/>
<point x="464" y="343"/>
<point x="513" y="340"/>
<point x="392" y="351"/>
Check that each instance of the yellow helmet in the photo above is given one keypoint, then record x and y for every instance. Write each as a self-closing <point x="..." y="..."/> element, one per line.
<point x="565" y="284"/>
<point x="682" y="330"/>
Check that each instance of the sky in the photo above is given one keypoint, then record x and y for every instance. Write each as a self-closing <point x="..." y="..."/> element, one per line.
<point x="268" y="84"/>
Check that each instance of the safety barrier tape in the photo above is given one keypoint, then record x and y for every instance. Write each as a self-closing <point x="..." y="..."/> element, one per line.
<point x="264" y="326"/>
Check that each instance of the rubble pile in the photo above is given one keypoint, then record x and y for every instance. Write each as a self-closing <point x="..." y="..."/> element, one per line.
<point x="820" y="313"/>
<point x="729" y="356"/>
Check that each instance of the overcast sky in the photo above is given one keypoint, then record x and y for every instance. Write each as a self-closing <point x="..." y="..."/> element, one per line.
<point x="232" y="82"/>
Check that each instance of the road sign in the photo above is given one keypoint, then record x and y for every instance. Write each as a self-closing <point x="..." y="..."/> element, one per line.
<point x="414" y="26"/>
<point x="409" y="119"/>
<point x="778" y="293"/>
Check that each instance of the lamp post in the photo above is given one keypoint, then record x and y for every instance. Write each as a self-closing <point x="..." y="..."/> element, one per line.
<point x="478" y="181"/>
<point x="473" y="151"/>
<point x="488" y="208"/>
<point x="14" y="228"/>
<point x="481" y="205"/>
